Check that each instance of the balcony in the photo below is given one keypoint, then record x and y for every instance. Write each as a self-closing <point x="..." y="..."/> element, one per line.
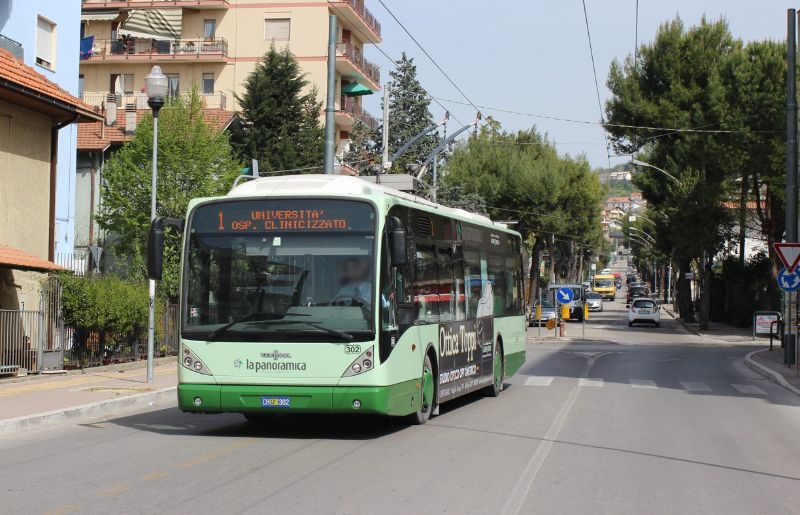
<point x="355" y="14"/>
<point x="210" y="101"/>
<point x="351" y="63"/>
<point x="155" y="4"/>
<point x="136" y="50"/>
<point x="348" y="111"/>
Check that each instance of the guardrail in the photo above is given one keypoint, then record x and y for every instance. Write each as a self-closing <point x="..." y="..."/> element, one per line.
<point x="104" y="48"/>
<point x="210" y="101"/>
<point x="357" y="58"/>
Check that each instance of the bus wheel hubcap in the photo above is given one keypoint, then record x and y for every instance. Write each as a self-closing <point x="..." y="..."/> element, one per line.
<point x="427" y="388"/>
<point x="497" y="368"/>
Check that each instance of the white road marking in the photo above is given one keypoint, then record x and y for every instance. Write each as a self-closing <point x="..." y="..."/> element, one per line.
<point x="516" y="498"/>
<point x="749" y="389"/>
<point x="585" y="381"/>
<point x="695" y="387"/>
<point x="538" y="381"/>
<point x="643" y="383"/>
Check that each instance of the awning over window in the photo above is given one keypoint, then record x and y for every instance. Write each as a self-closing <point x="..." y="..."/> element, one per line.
<point x="99" y="15"/>
<point x="154" y="23"/>
<point x="355" y="89"/>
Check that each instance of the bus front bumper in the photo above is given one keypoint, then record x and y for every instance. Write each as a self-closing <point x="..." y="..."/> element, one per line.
<point x="209" y="398"/>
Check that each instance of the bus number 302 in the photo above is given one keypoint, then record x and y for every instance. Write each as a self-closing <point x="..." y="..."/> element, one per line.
<point x="352" y="349"/>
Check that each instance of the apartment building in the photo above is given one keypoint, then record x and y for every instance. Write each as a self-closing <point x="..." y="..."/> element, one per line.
<point x="216" y="44"/>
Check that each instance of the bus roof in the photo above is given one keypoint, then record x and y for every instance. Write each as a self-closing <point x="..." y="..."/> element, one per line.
<point x="345" y="185"/>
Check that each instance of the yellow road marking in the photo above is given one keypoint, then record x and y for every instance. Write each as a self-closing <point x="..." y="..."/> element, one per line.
<point x="115" y="490"/>
<point x="61" y="510"/>
<point x="202" y="458"/>
<point x="153" y="476"/>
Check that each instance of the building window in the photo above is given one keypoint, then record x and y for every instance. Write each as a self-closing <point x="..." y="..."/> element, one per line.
<point x="209" y="28"/>
<point x="80" y="85"/>
<point x="208" y="83"/>
<point x="45" y="43"/>
<point x="173" y="88"/>
<point x="127" y="83"/>
<point x="277" y="29"/>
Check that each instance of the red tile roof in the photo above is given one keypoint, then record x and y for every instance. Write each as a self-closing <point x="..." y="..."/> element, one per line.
<point x="15" y="258"/>
<point x="18" y="73"/>
<point x="93" y="136"/>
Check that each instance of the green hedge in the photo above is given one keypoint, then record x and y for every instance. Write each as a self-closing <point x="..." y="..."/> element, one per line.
<point x="105" y="304"/>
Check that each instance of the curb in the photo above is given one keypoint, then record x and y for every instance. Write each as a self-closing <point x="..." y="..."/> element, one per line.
<point x="92" y="410"/>
<point x="769" y="373"/>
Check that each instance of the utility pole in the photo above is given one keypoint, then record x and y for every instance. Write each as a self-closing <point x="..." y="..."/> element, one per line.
<point x="385" y="164"/>
<point x="791" y="169"/>
<point x="330" y="105"/>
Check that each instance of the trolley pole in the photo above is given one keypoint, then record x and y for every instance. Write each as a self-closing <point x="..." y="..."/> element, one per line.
<point x="330" y="104"/>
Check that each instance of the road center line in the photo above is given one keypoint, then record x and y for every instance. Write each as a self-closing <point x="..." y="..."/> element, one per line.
<point x="519" y="493"/>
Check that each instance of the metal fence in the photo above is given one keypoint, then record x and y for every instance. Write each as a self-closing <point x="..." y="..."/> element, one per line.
<point x="32" y="341"/>
<point x="97" y="348"/>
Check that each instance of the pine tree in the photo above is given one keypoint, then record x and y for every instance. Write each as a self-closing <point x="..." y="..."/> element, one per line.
<point x="279" y="116"/>
<point x="409" y="114"/>
<point x="364" y="148"/>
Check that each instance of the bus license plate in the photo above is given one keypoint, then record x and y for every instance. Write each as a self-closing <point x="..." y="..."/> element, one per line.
<point x="275" y="402"/>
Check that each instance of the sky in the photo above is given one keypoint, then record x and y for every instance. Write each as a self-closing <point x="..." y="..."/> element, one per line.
<point x="532" y="56"/>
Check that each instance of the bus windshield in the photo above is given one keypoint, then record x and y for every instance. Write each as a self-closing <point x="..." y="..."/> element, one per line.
<point x="604" y="283"/>
<point x="280" y="270"/>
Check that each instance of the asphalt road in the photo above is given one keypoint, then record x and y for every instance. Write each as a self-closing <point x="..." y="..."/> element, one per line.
<point x="655" y="421"/>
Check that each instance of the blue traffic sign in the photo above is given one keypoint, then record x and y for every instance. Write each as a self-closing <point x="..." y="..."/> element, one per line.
<point x="789" y="282"/>
<point x="564" y="295"/>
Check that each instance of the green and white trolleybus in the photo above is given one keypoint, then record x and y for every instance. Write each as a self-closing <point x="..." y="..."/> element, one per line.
<point x="327" y="293"/>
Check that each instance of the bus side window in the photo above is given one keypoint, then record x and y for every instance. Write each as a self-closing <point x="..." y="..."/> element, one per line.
<point x="446" y="289"/>
<point x="459" y="295"/>
<point x="425" y="286"/>
<point x="472" y="282"/>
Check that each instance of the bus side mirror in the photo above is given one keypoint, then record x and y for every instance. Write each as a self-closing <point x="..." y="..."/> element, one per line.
<point x="398" y="251"/>
<point x="155" y="245"/>
<point x="155" y="250"/>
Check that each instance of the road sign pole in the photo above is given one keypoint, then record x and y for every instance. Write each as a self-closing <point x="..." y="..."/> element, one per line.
<point x="539" y="322"/>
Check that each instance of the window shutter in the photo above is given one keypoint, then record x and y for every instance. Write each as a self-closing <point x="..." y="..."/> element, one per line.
<point x="277" y="29"/>
<point x="44" y="40"/>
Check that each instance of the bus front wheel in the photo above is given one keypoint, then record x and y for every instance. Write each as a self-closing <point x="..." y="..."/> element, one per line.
<point x="427" y="398"/>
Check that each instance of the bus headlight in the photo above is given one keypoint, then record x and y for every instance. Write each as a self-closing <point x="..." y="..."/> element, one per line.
<point x="362" y="364"/>
<point x="193" y="363"/>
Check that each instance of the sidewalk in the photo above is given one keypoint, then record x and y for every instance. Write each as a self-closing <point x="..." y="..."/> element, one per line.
<point x="719" y="331"/>
<point x="48" y="399"/>
<point x="770" y="365"/>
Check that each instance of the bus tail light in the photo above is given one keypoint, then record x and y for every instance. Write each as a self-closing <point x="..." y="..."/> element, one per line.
<point x="193" y="363"/>
<point x="362" y="364"/>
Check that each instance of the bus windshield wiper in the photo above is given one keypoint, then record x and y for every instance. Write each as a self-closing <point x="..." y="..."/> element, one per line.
<point x="222" y="329"/>
<point x="335" y="332"/>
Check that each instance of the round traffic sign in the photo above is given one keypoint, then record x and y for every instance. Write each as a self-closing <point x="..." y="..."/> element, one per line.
<point x="564" y="295"/>
<point x="789" y="282"/>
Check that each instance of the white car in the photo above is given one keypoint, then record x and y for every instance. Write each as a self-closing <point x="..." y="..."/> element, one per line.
<point x="643" y="310"/>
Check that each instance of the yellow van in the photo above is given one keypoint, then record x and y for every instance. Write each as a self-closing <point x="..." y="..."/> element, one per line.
<point x="604" y="285"/>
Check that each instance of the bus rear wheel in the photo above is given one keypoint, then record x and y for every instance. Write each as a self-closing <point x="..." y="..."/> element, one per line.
<point x="427" y="398"/>
<point x="497" y="372"/>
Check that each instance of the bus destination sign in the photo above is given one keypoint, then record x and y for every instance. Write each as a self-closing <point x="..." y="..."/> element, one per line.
<point x="283" y="215"/>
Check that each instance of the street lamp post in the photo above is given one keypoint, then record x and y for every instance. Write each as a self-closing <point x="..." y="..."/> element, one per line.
<point x="642" y="163"/>
<point x="155" y="84"/>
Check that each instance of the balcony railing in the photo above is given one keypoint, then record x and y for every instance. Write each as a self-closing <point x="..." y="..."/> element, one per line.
<point x="139" y="4"/>
<point x="363" y="12"/>
<point x="104" y="48"/>
<point x="349" y="106"/>
<point x="15" y="47"/>
<point x="371" y="71"/>
<point x="210" y="101"/>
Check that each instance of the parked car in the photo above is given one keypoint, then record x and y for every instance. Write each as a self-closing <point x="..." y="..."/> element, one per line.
<point x="644" y="310"/>
<point x="635" y="292"/>
<point x="594" y="300"/>
<point x="548" y="312"/>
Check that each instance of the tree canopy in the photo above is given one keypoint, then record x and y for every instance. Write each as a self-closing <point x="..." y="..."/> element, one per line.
<point x="194" y="160"/>
<point x="278" y="121"/>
